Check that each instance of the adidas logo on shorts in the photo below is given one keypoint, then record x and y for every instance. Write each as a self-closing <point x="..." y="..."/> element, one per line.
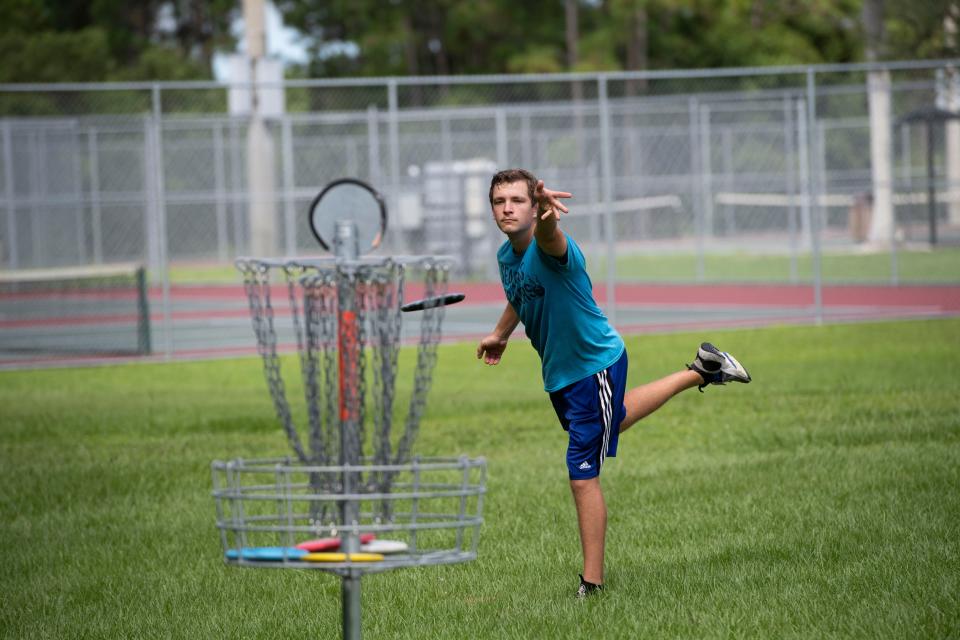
<point x="584" y="466"/>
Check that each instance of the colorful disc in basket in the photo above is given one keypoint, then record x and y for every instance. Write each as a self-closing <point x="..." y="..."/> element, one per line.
<point x="320" y="544"/>
<point x="342" y="557"/>
<point x="266" y="554"/>
<point x="385" y="546"/>
<point x="330" y="544"/>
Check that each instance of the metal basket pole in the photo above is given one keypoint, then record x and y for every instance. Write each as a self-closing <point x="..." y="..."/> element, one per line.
<point x="350" y="351"/>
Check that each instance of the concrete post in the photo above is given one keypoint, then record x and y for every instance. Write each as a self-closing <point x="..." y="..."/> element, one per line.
<point x="881" y="156"/>
<point x="263" y="235"/>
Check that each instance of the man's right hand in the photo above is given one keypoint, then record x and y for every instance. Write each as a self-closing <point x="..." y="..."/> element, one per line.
<point x="491" y="348"/>
<point x="548" y="201"/>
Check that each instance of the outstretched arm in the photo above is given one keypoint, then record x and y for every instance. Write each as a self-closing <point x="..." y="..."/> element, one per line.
<point x="492" y="347"/>
<point x="549" y="237"/>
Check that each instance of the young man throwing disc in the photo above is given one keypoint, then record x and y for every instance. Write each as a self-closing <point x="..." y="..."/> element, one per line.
<point x="584" y="360"/>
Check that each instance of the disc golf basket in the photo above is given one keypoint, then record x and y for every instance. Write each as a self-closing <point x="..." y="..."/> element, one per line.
<point x="353" y="498"/>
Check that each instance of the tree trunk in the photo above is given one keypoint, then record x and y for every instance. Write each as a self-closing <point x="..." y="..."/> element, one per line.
<point x="873" y="29"/>
<point x="411" y="60"/>
<point x="637" y="49"/>
<point x="572" y="32"/>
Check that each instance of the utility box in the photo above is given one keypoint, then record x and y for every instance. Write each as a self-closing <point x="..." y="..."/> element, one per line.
<point x="456" y="212"/>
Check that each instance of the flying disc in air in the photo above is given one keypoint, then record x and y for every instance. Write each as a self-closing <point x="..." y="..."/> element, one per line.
<point x="266" y="554"/>
<point x="342" y="557"/>
<point x="430" y="303"/>
<point x="385" y="546"/>
<point x="330" y="544"/>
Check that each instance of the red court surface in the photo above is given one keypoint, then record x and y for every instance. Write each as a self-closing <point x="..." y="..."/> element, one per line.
<point x="943" y="297"/>
<point x="212" y="321"/>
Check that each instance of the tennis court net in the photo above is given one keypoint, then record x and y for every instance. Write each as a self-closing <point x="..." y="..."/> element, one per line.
<point x="102" y="310"/>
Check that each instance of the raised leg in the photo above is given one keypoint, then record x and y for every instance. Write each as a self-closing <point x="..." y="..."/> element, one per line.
<point x="643" y="400"/>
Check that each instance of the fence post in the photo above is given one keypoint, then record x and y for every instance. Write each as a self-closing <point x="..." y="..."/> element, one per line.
<point x="803" y="164"/>
<point x="96" y="214"/>
<point x="907" y="188"/>
<point x="789" y="132"/>
<point x="219" y="187"/>
<point x="13" y="259"/>
<point x="814" y="194"/>
<point x="729" y="181"/>
<point x="393" y="128"/>
<point x="39" y="217"/>
<point x="706" y="187"/>
<point x="606" y="171"/>
<point x="696" y="176"/>
<point x="526" y="140"/>
<point x="503" y="160"/>
<point x="74" y="150"/>
<point x="289" y="210"/>
<point x="500" y="122"/>
<point x="446" y="140"/>
<point x="160" y="227"/>
<point x="237" y="186"/>
<point x="373" y="145"/>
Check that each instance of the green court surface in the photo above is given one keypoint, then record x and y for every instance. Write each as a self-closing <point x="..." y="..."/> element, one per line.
<point x="939" y="266"/>
<point x="921" y="267"/>
<point x="820" y="501"/>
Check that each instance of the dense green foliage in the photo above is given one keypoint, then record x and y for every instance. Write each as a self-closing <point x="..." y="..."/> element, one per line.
<point x="74" y="40"/>
<point x="429" y="37"/>
<point x="818" y="502"/>
<point x="83" y="41"/>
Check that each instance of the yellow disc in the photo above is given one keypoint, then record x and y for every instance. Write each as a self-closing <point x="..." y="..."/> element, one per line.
<point x="342" y="557"/>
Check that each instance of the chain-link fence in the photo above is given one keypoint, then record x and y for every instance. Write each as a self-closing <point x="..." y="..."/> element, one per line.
<point x="840" y="174"/>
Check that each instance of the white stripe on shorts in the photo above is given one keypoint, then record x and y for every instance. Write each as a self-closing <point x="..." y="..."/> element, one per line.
<point x="606" y="408"/>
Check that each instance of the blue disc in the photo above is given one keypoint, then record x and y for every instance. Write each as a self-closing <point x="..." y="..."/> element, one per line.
<point x="267" y="554"/>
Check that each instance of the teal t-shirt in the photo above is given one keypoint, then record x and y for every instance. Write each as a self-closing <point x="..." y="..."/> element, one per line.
<point x="554" y="299"/>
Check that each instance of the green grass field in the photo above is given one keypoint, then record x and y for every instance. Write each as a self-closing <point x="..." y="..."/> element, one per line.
<point x="821" y="501"/>
<point x="919" y="267"/>
<point x="923" y="267"/>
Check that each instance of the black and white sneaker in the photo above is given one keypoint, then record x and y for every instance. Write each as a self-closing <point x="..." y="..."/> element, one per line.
<point x="717" y="367"/>
<point x="586" y="589"/>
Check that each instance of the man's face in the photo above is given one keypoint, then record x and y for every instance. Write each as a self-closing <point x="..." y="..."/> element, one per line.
<point x="513" y="210"/>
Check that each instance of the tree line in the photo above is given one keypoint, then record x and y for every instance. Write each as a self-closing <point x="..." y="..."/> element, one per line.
<point x="119" y="40"/>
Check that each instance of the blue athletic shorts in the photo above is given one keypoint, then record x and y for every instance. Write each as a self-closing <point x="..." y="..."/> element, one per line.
<point x="591" y="410"/>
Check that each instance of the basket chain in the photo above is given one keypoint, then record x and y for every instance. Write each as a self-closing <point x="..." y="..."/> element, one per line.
<point x="314" y="305"/>
<point x="256" y="281"/>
